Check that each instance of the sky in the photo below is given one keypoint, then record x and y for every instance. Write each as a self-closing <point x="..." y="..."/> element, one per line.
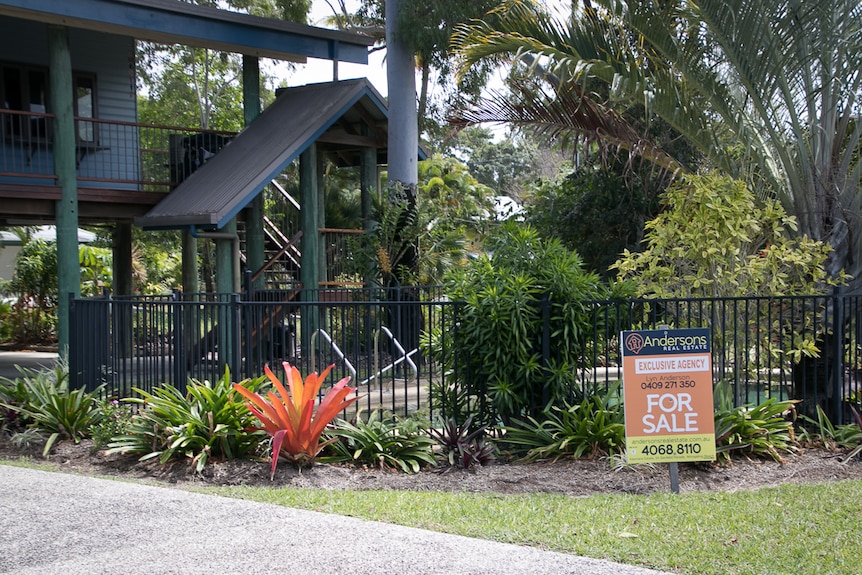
<point x="321" y="70"/>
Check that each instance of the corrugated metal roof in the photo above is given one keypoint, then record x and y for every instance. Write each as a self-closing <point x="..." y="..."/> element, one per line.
<point x="175" y="22"/>
<point x="343" y="116"/>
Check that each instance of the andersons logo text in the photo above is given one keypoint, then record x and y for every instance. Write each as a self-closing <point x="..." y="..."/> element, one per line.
<point x="684" y="341"/>
<point x="636" y="342"/>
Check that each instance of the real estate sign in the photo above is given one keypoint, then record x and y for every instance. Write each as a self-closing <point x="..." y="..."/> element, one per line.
<point x="667" y="390"/>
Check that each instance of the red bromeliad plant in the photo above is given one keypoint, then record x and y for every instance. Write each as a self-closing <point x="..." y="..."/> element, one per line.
<point x="290" y="417"/>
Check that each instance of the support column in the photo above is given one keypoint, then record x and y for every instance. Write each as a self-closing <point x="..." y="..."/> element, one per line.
<point x="190" y="264"/>
<point x="190" y="332"/>
<point x="310" y="273"/>
<point x="122" y="258"/>
<point x="309" y="194"/>
<point x="227" y="274"/>
<point x="227" y="282"/>
<point x="401" y="80"/>
<point x="62" y="106"/>
<point x="255" y="248"/>
<point x="368" y="188"/>
<point x="322" y="268"/>
<point x="121" y="245"/>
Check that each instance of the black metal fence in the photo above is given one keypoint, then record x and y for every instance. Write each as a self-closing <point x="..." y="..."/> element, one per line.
<point x="805" y="348"/>
<point x="372" y="336"/>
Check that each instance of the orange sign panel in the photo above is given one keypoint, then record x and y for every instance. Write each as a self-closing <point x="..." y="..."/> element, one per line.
<point x="667" y="390"/>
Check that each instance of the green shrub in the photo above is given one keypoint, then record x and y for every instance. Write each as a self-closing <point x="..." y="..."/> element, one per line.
<point x="13" y="395"/>
<point x="381" y="441"/>
<point x="511" y="293"/>
<point x="209" y="420"/>
<point x="760" y="430"/>
<point x="593" y="427"/>
<point x="34" y="286"/>
<point x="114" y="421"/>
<point x="7" y="319"/>
<point x="47" y="404"/>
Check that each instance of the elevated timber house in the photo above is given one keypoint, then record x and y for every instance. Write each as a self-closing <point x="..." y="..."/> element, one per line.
<point x="73" y="152"/>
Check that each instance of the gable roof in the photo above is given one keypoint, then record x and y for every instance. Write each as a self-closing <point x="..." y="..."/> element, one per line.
<point x="176" y="22"/>
<point x="343" y="117"/>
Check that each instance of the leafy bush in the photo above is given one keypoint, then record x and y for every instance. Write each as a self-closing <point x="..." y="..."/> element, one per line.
<point x="34" y="287"/>
<point x="290" y="417"/>
<point x="47" y="404"/>
<point x="716" y="238"/>
<point x="461" y="446"/>
<point x="7" y="320"/>
<point x="522" y="286"/>
<point x="210" y="420"/>
<point x="381" y="441"/>
<point x="593" y="427"/>
<point x="761" y="430"/>
<point x="114" y="421"/>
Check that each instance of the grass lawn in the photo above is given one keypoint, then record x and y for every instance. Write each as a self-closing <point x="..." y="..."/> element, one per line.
<point x="800" y="529"/>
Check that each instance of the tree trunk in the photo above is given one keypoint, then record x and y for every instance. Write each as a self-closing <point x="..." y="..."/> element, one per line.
<point x="403" y="151"/>
<point x="423" y="97"/>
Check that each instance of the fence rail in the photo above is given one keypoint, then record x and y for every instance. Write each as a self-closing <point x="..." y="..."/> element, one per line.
<point x="804" y="348"/>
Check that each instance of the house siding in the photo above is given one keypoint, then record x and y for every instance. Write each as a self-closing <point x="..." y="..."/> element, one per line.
<point x="111" y="60"/>
<point x="109" y="57"/>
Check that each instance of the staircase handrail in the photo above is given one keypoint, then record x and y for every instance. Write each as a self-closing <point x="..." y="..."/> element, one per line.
<point x="273" y="259"/>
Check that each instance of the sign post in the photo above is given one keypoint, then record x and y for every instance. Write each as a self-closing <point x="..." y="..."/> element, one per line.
<point x="667" y="390"/>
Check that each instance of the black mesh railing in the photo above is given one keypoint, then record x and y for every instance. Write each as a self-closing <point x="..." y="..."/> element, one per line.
<point x="401" y="347"/>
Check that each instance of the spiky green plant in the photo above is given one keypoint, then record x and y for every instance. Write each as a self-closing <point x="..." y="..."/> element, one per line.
<point x="381" y="441"/>
<point x="761" y="430"/>
<point x="48" y="405"/>
<point x="831" y="436"/>
<point x="593" y="427"/>
<point x="209" y="420"/>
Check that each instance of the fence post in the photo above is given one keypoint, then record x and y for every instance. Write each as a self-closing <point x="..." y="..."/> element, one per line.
<point x="236" y="330"/>
<point x="546" y="347"/>
<point x="838" y="362"/>
<point x="248" y="286"/>
<point x="179" y="319"/>
<point x="75" y="348"/>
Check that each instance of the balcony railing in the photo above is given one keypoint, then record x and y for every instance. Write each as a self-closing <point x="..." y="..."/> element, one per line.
<point x="109" y="153"/>
<point x="340" y="246"/>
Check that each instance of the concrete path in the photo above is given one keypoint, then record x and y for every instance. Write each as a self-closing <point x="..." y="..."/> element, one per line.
<point x="34" y="360"/>
<point x="54" y="523"/>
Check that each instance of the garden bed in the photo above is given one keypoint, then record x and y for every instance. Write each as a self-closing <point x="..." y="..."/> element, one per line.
<point x="576" y="478"/>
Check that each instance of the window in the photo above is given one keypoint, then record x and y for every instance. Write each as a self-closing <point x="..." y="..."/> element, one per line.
<point x="85" y="107"/>
<point x="25" y="88"/>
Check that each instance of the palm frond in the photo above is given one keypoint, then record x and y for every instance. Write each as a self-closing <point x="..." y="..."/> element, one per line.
<point x="568" y="117"/>
<point x="768" y="90"/>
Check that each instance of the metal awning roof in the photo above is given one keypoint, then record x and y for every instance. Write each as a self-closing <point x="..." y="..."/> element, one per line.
<point x="176" y="22"/>
<point x="342" y="117"/>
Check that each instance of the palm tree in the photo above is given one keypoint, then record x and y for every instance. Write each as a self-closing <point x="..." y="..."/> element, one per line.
<point x="766" y="89"/>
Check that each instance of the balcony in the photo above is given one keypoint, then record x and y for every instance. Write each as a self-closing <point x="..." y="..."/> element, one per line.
<point x="110" y="155"/>
<point x="124" y="169"/>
